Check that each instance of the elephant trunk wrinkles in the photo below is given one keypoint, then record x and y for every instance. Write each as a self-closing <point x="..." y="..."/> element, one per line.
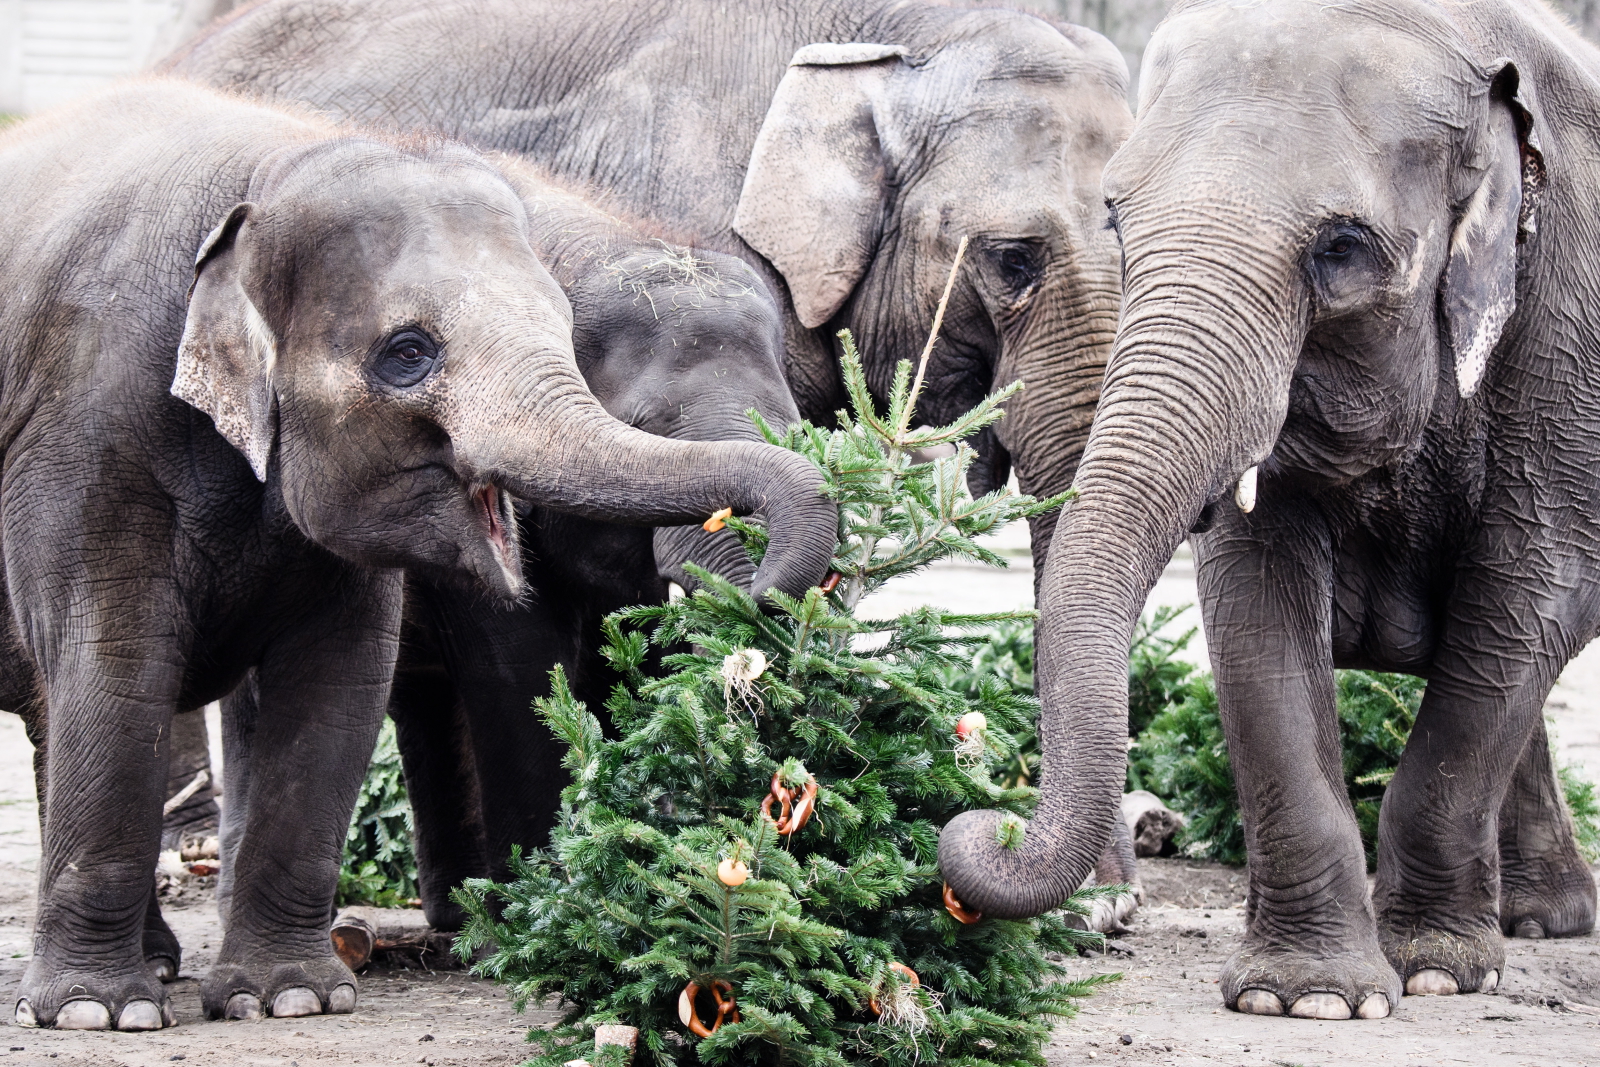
<point x="566" y="453"/>
<point x="1194" y="396"/>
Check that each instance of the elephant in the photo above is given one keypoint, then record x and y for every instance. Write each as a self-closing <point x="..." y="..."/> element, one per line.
<point x="225" y="462"/>
<point x="840" y="147"/>
<point x="673" y="341"/>
<point x="1357" y="364"/>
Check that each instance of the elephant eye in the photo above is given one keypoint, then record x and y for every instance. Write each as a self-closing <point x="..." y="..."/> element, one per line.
<point x="406" y="358"/>
<point x="1019" y="265"/>
<point x="1339" y="246"/>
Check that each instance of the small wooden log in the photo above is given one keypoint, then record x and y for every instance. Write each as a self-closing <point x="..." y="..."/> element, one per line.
<point x="353" y="939"/>
<point x="1150" y="822"/>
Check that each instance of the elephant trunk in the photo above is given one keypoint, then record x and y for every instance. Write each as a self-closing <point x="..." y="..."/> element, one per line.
<point x="721" y="552"/>
<point x="564" y="452"/>
<point x="1194" y="397"/>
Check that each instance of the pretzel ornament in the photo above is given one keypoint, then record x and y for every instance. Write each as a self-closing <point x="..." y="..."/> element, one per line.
<point x="959" y="911"/>
<point x="793" y="814"/>
<point x="901" y="969"/>
<point x="727" y="1008"/>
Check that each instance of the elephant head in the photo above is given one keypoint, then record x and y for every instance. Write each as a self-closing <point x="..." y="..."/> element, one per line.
<point x="875" y="159"/>
<point x="678" y="342"/>
<point x="684" y="344"/>
<point x="1320" y="208"/>
<point x="372" y="329"/>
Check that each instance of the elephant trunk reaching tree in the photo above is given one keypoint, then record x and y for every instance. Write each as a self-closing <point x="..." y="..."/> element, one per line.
<point x="587" y="463"/>
<point x="1185" y="414"/>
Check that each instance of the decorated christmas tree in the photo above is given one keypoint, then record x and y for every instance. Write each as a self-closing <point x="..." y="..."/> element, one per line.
<point x="747" y="874"/>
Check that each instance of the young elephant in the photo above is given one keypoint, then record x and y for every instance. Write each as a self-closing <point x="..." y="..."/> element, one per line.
<point x="676" y="342"/>
<point x="212" y="464"/>
<point x="1360" y="358"/>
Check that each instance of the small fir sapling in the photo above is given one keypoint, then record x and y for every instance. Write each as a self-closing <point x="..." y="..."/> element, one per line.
<point x="669" y="902"/>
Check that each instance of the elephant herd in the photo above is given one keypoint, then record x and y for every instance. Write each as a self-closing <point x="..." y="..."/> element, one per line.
<point x="368" y="353"/>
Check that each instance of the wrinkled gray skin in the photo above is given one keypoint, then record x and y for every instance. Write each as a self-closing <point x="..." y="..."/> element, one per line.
<point x="1360" y="253"/>
<point x="215" y="464"/>
<point x="846" y="181"/>
<point x="672" y="341"/>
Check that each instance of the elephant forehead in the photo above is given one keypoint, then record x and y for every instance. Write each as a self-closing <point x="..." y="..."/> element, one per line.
<point x="1390" y="63"/>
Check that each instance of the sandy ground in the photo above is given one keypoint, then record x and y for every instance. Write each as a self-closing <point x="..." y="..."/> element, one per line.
<point x="1165" y="1010"/>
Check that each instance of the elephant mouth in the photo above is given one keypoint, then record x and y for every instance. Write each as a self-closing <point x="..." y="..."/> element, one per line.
<point x="500" y="523"/>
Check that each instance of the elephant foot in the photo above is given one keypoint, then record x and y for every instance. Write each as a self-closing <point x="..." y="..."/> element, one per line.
<point x="1439" y="963"/>
<point x="1263" y="979"/>
<point x="135" y="1001"/>
<point x="283" y="990"/>
<point x="1548" y="902"/>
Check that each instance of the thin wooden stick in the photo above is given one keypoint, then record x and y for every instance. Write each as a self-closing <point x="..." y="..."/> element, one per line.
<point x="927" y="349"/>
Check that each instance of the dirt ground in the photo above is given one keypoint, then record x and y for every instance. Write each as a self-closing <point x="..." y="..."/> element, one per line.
<point x="1165" y="1010"/>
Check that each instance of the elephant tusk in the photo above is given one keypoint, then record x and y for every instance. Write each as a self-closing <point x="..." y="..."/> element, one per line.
<point x="1245" y="494"/>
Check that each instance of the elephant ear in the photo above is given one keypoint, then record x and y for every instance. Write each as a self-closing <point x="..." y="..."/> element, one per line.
<point x="227" y="353"/>
<point x="813" y="197"/>
<point x="1480" y="278"/>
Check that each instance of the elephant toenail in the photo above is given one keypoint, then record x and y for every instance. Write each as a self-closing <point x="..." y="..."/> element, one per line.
<point x="1432" y="982"/>
<point x="1259" y="1002"/>
<point x="243" y="1006"/>
<point x="294" y="1002"/>
<point x="25" y="1016"/>
<point x="140" y="1015"/>
<point x="342" y="1001"/>
<point x="1320" y="1006"/>
<point x="1529" y="928"/>
<point x="1490" y="983"/>
<point x="83" y="1015"/>
<point x="163" y="967"/>
<point x="168" y="1016"/>
<point x="1375" y="1006"/>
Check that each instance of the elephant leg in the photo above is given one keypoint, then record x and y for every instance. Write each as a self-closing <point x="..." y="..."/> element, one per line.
<point x="240" y="710"/>
<point x="322" y="689"/>
<point x="1438" y="885"/>
<point x="1310" y="946"/>
<point x="189" y="755"/>
<point x="1117" y="866"/>
<point x="435" y="754"/>
<point x="1546" y="889"/>
<point x="198" y="815"/>
<point x="109" y="724"/>
<point x="162" y="952"/>
<point x="499" y="662"/>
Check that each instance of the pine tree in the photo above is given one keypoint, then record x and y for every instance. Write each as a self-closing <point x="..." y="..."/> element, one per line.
<point x="757" y="850"/>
